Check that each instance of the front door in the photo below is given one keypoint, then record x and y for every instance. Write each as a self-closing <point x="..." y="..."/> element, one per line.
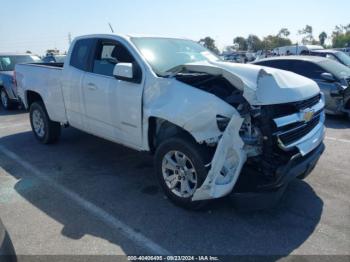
<point x="113" y="107"/>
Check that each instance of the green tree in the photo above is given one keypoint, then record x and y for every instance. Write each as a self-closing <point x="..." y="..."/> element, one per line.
<point x="284" y="32"/>
<point x="341" y="36"/>
<point x="254" y="43"/>
<point x="241" y="42"/>
<point x="322" y="37"/>
<point x="209" y="43"/>
<point x="342" y="40"/>
<point x="271" y="41"/>
<point x="307" y="34"/>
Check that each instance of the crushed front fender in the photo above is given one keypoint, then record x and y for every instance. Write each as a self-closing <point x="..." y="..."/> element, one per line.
<point x="226" y="165"/>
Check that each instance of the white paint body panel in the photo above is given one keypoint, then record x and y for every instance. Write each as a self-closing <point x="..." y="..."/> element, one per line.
<point x="47" y="82"/>
<point x="120" y="111"/>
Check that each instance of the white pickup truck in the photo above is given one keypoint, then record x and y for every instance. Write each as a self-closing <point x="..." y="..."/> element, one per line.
<point x="215" y="128"/>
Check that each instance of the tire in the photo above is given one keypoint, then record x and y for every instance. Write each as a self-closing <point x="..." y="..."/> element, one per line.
<point x="5" y="100"/>
<point x="197" y="156"/>
<point x="45" y="130"/>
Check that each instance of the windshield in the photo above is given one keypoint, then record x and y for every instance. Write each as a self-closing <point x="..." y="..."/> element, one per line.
<point x="7" y="63"/>
<point x="60" y="58"/>
<point x="164" y="54"/>
<point x="344" y="58"/>
<point x="339" y="70"/>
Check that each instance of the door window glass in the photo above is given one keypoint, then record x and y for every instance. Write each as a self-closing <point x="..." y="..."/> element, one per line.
<point x="108" y="54"/>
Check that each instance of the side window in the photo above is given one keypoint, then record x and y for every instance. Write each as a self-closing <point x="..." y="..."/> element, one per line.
<point x="267" y="63"/>
<point x="80" y="54"/>
<point x="108" y="54"/>
<point x="279" y="64"/>
<point x="332" y="57"/>
<point x="283" y="64"/>
<point x="307" y="69"/>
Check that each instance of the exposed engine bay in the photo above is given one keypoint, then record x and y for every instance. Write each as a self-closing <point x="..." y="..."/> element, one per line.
<point x="222" y="88"/>
<point x="215" y="84"/>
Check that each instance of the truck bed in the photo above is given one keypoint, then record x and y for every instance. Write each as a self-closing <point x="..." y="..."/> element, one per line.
<point x="44" y="79"/>
<point x="54" y="65"/>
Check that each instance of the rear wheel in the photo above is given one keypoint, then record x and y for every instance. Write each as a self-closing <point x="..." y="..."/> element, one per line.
<point x="5" y="100"/>
<point x="45" y="130"/>
<point x="180" y="167"/>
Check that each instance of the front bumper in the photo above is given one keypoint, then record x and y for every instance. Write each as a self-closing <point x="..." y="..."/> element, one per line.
<point x="253" y="193"/>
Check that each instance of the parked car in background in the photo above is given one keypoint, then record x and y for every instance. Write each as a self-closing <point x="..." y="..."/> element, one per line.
<point x="51" y="58"/>
<point x="295" y="49"/>
<point x="261" y="54"/>
<point x="332" y="77"/>
<point x="8" y="93"/>
<point x="237" y="57"/>
<point x="335" y="55"/>
<point x="215" y="128"/>
<point x="346" y="50"/>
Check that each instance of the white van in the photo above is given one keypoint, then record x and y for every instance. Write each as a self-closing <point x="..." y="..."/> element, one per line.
<point x="296" y="49"/>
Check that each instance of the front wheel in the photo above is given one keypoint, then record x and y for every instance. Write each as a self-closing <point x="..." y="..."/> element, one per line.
<point x="180" y="167"/>
<point x="45" y="130"/>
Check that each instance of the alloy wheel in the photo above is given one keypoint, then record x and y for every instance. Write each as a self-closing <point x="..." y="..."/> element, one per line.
<point x="179" y="174"/>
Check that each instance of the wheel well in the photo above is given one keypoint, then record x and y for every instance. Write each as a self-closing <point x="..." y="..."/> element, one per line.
<point x="160" y="129"/>
<point x="33" y="97"/>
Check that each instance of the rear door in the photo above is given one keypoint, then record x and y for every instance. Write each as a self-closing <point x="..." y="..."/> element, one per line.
<point x="72" y="81"/>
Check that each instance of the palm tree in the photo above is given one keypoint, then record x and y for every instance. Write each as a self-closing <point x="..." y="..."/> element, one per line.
<point x="322" y="37"/>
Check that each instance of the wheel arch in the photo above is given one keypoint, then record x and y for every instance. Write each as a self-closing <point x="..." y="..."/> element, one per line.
<point x="31" y="97"/>
<point x="160" y="129"/>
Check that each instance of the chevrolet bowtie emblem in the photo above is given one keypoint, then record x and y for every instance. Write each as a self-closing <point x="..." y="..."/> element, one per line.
<point x="308" y="115"/>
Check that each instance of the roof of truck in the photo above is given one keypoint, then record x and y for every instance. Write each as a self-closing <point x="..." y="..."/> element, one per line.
<point x="130" y="36"/>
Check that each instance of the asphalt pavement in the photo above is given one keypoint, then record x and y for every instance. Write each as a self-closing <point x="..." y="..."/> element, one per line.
<point x="88" y="196"/>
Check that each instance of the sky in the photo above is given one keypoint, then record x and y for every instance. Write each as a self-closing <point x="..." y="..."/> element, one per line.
<point x="38" y="25"/>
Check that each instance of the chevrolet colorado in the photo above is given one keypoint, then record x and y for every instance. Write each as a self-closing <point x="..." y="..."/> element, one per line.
<point x="215" y="128"/>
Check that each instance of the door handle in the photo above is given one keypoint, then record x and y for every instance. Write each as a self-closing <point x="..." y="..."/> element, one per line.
<point x="92" y="86"/>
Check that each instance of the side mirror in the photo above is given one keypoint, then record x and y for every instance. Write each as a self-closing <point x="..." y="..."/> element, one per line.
<point x="328" y="77"/>
<point x="124" y="71"/>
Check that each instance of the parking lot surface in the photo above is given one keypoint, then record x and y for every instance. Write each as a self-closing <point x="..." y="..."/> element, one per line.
<point x="86" y="195"/>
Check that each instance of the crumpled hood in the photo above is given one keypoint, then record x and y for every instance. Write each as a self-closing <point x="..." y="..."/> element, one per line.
<point x="260" y="85"/>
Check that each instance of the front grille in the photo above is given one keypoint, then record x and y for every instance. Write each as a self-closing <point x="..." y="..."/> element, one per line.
<point x="285" y="135"/>
<point x="298" y="132"/>
<point x="308" y="103"/>
<point x="281" y="110"/>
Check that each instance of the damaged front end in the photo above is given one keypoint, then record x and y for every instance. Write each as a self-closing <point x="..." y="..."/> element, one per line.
<point x="264" y="144"/>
